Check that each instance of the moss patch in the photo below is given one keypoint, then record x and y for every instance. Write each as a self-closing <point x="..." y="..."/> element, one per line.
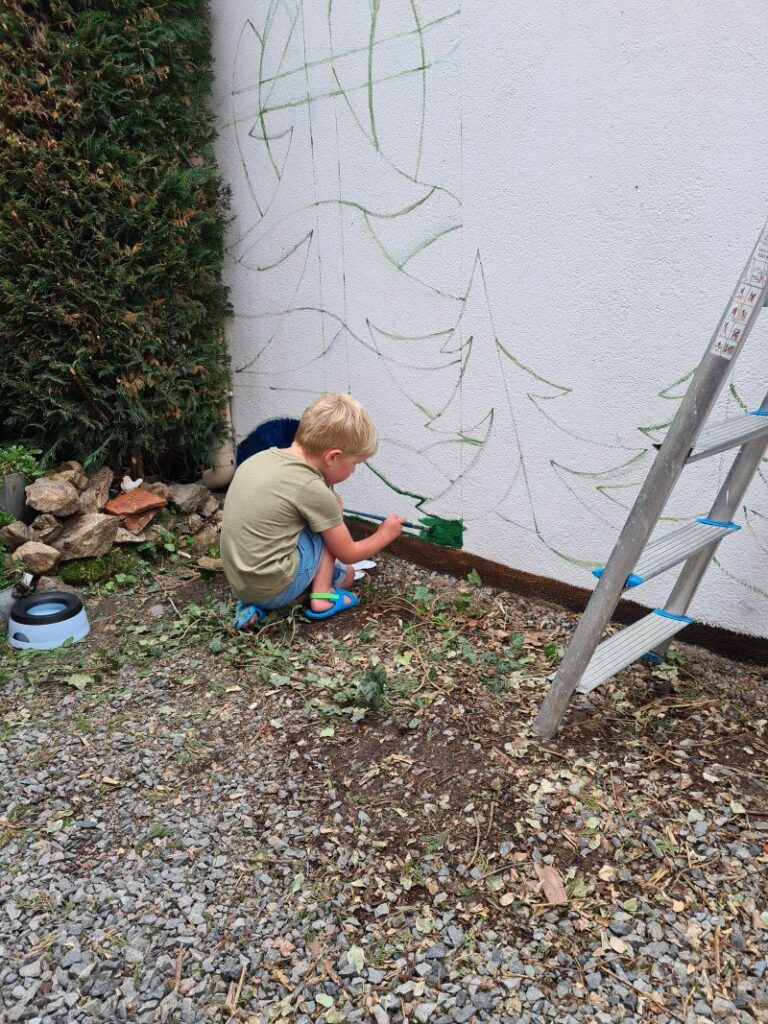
<point x="87" y="571"/>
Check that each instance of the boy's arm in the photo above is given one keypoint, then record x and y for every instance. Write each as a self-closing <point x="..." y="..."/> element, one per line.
<point x="341" y="544"/>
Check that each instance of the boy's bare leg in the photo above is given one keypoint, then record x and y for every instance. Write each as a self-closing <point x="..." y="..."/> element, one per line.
<point x="323" y="581"/>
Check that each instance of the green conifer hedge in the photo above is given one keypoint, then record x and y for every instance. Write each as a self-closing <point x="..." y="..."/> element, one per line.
<point x="111" y="231"/>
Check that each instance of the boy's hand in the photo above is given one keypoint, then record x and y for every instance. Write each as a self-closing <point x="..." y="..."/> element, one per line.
<point x="391" y="528"/>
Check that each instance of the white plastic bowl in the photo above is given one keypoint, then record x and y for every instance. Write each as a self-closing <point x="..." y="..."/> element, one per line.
<point x="43" y="621"/>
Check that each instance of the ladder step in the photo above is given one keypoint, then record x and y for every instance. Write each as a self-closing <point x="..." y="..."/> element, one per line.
<point x="719" y="437"/>
<point x="675" y="547"/>
<point x="621" y="650"/>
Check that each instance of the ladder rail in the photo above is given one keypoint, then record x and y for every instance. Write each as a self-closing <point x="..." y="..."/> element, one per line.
<point x="732" y="331"/>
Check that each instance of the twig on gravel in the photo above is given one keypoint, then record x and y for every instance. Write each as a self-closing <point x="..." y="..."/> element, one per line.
<point x="477" y="842"/>
<point x="473" y="883"/>
<point x="330" y="971"/>
<point x="734" y="738"/>
<point x="233" y="996"/>
<point x="618" y="802"/>
<point x="177" y="585"/>
<point x="448" y="778"/>
<point x="44" y="944"/>
<point x="179" y="959"/>
<point x="651" y="997"/>
<point x="687" y="1001"/>
<point x="491" y="812"/>
<point x="685" y="871"/>
<point x="555" y="753"/>
<point x="272" y="625"/>
<point x="658" y="755"/>
<point x="417" y="652"/>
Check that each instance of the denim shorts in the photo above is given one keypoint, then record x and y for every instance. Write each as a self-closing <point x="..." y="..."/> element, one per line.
<point x="310" y="550"/>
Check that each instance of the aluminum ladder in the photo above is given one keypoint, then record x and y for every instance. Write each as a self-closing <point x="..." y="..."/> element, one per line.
<point x="587" y="662"/>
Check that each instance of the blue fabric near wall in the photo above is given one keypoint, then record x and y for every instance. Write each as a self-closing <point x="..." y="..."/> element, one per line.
<point x="269" y="434"/>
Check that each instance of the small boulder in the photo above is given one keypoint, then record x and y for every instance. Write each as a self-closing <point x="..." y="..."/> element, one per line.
<point x="87" y="535"/>
<point x="36" y="557"/>
<point x="15" y="534"/>
<point x="47" y="583"/>
<point x="207" y="538"/>
<point x="189" y="497"/>
<point x="186" y="525"/>
<point x="155" y="535"/>
<point x="96" y="494"/>
<point x="53" y="494"/>
<point x="124" y="536"/>
<point x="45" y="528"/>
<point x="210" y="508"/>
<point x="72" y="472"/>
<point x="208" y="563"/>
<point x="160" y="489"/>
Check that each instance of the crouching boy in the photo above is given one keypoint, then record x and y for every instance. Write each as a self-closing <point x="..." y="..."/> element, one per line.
<point x="283" y="533"/>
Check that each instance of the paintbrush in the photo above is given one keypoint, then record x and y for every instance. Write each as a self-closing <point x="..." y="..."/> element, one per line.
<point x="449" y="533"/>
<point x="379" y="519"/>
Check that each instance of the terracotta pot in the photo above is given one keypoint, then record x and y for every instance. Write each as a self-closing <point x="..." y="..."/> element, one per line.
<point x="219" y="477"/>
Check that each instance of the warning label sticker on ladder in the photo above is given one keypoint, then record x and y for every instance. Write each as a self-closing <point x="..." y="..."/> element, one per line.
<point x="748" y="296"/>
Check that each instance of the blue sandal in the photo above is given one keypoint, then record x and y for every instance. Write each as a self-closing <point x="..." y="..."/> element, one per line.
<point x="339" y="604"/>
<point x="247" y="615"/>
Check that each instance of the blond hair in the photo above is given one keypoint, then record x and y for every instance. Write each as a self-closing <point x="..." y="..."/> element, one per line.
<point x="337" y="421"/>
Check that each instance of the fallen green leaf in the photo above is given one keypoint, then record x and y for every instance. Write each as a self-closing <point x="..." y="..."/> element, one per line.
<point x="356" y="957"/>
<point x="79" y="680"/>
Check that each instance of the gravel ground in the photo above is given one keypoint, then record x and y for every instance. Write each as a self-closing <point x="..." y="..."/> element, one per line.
<point x="351" y="822"/>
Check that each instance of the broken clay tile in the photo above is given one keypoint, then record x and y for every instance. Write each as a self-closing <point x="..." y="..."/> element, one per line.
<point x="137" y="500"/>
<point x="136" y="522"/>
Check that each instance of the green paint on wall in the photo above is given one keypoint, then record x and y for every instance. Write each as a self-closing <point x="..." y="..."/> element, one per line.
<point x="449" y="533"/>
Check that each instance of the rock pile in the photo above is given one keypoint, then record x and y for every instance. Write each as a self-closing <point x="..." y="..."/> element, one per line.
<point x="77" y="519"/>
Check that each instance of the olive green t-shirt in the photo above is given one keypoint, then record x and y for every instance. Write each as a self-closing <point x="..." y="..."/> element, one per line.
<point x="272" y="498"/>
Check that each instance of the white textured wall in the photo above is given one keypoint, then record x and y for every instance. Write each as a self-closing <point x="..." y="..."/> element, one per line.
<point x="509" y="229"/>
